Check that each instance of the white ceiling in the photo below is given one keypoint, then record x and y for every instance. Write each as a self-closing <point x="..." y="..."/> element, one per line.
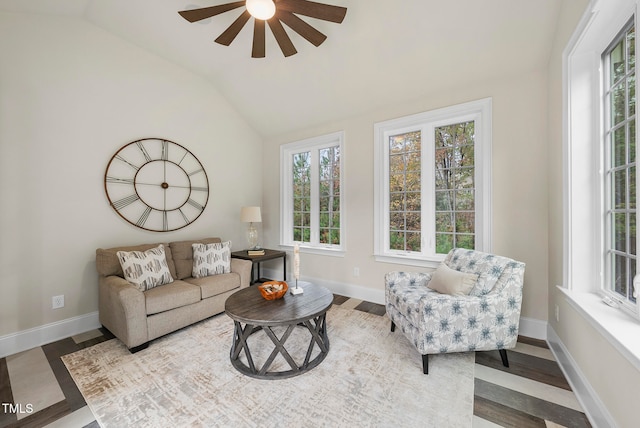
<point x="384" y="52"/>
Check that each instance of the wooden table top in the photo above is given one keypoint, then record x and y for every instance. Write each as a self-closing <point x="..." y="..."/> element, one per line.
<point x="268" y="255"/>
<point x="248" y="306"/>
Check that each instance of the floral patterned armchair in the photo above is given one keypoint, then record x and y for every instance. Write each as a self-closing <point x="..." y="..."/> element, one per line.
<point x="485" y="319"/>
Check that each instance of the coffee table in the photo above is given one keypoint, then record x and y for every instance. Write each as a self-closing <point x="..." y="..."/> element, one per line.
<point x="251" y="313"/>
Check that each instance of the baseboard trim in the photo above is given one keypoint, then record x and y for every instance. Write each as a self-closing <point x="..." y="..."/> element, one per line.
<point x="593" y="407"/>
<point x="38" y="336"/>
<point x="530" y="327"/>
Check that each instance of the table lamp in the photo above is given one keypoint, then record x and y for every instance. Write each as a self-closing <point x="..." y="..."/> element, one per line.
<point x="251" y="215"/>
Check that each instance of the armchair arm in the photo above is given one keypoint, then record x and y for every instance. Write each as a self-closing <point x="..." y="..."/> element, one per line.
<point x="122" y="309"/>
<point x="417" y="279"/>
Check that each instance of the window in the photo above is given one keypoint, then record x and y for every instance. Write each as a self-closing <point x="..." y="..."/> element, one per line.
<point x="619" y="187"/>
<point x="312" y="199"/>
<point x="600" y="152"/>
<point x="433" y="189"/>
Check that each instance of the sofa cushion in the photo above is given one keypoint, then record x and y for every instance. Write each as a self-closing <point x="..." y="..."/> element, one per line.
<point x="171" y="296"/>
<point x="213" y="285"/>
<point x="211" y="259"/>
<point x="450" y="281"/>
<point x="183" y="255"/>
<point x="107" y="262"/>
<point x="145" y="269"/>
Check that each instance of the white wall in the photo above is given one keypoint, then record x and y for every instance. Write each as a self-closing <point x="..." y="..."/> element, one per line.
<point x="602" y="376"/>
<point x="519" y="184"/>
<point x="70" y="96"/>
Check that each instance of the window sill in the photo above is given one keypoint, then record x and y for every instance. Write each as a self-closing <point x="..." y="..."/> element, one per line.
<point x="333" y="252"/>
<point x="410" y="260"/>
<point x="619" y="328"/>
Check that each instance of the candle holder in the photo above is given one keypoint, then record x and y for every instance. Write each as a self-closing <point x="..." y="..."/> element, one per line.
<point x="296" y="270"/>
<point x="296" y="289"/>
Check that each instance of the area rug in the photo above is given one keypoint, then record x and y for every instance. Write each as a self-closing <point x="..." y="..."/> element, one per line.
<point x="371" y="377"/>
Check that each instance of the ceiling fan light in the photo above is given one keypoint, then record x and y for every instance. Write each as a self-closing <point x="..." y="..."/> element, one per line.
<point x="261" y="9"/>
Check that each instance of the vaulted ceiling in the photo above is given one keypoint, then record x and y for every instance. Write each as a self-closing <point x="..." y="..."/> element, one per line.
<point x="385" y="52"/>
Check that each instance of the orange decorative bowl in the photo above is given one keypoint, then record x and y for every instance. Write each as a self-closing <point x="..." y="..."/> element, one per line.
<point x="272" y="290"/>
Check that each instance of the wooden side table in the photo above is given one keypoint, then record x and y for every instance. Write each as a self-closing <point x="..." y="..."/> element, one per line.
<point x="256" y="260"/>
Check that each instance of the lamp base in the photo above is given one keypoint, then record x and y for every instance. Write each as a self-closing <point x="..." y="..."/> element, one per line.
<point x="252" y="237"/>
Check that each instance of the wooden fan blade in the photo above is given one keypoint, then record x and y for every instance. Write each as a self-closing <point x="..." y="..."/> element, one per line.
<point x="194" y="15"/>
<point x="301" y="27"/>
<point x="286" y="46"/>
<point x="258" y="50"/>
<point x="326" y="12"/>
<point x="230" y="33"/>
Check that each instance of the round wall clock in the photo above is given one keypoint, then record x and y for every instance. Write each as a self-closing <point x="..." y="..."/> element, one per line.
<point x="156" y="184"/>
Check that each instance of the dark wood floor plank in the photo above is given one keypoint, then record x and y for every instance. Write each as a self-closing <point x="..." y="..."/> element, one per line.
<point x="535" y="342"/>
<point x="527" y="366"/>
<point x="106" y="333"/>
<point x="371" y="308"/>
<point x="6" y="396"/>
<point x="338" y="299"/>
<point x="505" y="416"/>
<point x="7" y="419"/>
<point x="530" y="405"/>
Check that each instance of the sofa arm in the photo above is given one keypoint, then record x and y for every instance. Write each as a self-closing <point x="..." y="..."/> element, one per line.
<point x="243" y="268"/>
<point x="122" y="310"/>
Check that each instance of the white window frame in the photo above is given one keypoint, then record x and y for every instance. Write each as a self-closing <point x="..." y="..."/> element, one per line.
<point x="585" y="269"/>
<point x="479" y="111"/>
<point x="313" y="145"/>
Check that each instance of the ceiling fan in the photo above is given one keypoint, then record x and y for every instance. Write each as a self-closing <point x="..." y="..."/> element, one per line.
<point x="274" y="13"/>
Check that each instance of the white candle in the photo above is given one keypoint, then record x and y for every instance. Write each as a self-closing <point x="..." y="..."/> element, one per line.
<point x="296" y="261"/>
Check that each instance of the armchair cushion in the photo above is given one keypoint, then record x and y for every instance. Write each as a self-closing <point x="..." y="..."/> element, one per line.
<point x="449" y="281"/>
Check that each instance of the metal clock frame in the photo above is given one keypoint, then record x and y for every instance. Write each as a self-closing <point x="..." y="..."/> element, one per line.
<point x="141" y="177"/>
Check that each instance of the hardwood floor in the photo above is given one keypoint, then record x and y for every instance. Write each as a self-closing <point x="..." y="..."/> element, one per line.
<point x="532" y="392"/>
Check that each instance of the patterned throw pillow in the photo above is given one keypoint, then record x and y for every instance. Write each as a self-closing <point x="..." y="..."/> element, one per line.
<point x="211" y="259"/>
<point x="145" y="269"/>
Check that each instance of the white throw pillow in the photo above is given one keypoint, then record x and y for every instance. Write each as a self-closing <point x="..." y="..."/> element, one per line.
<point x="145" y="269"/>
<point x="211" y="259"/>
<point x="450" y="281"/>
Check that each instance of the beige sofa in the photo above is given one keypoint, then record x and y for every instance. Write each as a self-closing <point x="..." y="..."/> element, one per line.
<point x="137" y="317"/>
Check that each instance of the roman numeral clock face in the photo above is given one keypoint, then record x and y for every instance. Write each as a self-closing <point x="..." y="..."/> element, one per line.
<point x="156" y="185"/>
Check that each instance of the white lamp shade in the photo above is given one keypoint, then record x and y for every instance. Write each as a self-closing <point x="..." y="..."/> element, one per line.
<point x="261" y="9"/>
<point x="250" y="215"/>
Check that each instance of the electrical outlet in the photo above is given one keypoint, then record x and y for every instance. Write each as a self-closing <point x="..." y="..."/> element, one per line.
<point x="356" y="271"/>
<point x="557" y="313"/>
<point x="57" y="302"/>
